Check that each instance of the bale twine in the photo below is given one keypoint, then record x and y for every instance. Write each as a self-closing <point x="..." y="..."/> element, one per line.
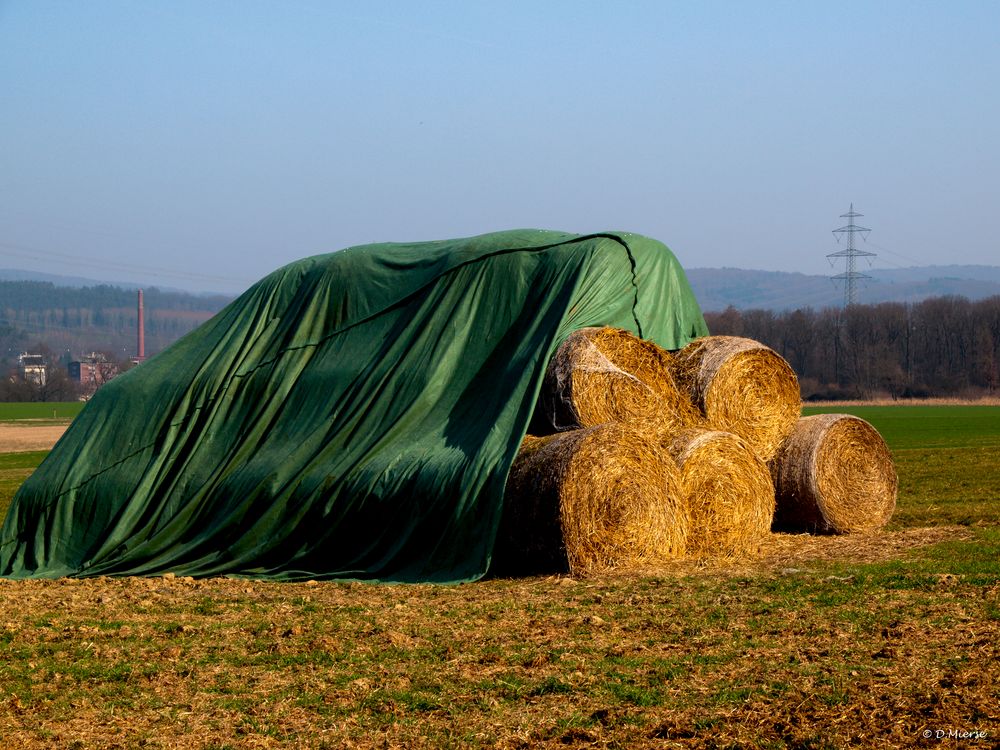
<point x="743" y="387"/>
<point x="589" y="500"/>
<point x="608" y="374"/>
<point x="834" y="475"/>
<point x="728" y="492"/>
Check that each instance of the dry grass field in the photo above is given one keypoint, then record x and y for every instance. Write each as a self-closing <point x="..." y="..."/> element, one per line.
<point x="825" y="642"/>
<point x="20" y="437"/>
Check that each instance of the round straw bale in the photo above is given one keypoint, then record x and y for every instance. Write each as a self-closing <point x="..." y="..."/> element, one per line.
<point x="608" y="374"/>
<point x="728" y="491"/>
<point x="834" y="475"/>
<point x="588" y="500"/>
<point x="743" y="387"/>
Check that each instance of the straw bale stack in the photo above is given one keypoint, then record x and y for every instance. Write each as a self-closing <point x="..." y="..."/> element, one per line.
<point x="728" y="492"/>
<point x="834" y="474"/>
<point x="743" y="387"/>
<point x="608" y="374"/>
<point x="700" y="452"/>
<point x="589" y="500"/>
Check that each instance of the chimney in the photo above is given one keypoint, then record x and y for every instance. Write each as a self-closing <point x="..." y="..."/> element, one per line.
<point x="141" y="344"/>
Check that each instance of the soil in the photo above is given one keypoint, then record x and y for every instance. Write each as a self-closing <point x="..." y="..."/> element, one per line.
<point x="15" y="438"/>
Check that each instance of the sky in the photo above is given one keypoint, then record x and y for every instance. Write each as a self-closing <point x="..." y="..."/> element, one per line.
<point x="202" y="145"/>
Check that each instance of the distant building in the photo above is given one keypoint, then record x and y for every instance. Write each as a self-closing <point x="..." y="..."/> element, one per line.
<point x="92" y="371"/>
<point x="32" y="368"/>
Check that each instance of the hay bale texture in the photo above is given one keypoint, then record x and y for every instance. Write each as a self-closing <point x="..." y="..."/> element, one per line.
<point x="741" y="386"/>
<point x="608" y="374"/>
<point x="589" y="500"/>
<point x="834" y="474"/>
<point x="728" y="492"/>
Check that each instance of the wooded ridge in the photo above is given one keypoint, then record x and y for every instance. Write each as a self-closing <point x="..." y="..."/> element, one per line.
<point x="937" y="346"/>
<point x="718" y="288"/>
<point x="71" y="321"/>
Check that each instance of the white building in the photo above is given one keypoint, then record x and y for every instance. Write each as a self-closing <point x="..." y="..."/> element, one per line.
<point x="32" y="367"/>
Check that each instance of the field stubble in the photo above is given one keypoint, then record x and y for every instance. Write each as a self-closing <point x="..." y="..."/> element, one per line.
<point x="826" y="642"/>
<point x="20" y="436"/>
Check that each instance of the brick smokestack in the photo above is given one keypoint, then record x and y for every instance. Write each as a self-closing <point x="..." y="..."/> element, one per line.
<point x="141" y="344"/>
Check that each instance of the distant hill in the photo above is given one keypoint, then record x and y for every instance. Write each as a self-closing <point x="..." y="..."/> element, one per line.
<point x="718" y="288"/>
<point x="76" y="282"/>
<point x="922" y="273"/>
<point x="14" y="274"/>
<point x="83" y="314"/>
<point x="69" y="320"/>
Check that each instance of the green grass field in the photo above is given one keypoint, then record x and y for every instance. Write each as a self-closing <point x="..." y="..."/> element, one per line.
<point x="54" y="411"/>
<point x="946" y="458"/>
<point x="855" y="642"/>
<point x="926" y="427"/>
<point x="14" y="469"/>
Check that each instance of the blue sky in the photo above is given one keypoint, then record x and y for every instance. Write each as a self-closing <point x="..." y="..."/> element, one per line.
<point x="204" y="144"/>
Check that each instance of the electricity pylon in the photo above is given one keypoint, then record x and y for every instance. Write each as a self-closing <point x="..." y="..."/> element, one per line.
<point x="851" y="253"/>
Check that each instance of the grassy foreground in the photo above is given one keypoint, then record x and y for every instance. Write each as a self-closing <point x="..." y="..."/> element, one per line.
<point x="44" y="410"/>
<point x="827" y="643"/>
<point x="14" y="469"/>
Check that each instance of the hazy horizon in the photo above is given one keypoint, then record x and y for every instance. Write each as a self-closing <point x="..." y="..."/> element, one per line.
<point x="875" y="276"/>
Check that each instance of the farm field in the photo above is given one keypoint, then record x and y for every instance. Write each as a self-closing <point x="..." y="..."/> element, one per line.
<point x="62" y="411"/>
<point x="887" y="641"/>
<point x="14" y="469"/>
<point x="947" y="458"/>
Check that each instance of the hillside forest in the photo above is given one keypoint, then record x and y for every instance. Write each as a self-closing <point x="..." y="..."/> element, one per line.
<point x="942" y="346"/>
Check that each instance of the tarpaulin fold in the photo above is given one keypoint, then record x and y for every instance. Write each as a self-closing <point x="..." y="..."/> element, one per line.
<point x="352" y="415"/>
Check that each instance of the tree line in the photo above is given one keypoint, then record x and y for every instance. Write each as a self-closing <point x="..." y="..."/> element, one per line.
<point x="44" y="295"/>
<point x="75" y="321"/>
<point x="942" y="346"/>
<point x="58" y="386"/>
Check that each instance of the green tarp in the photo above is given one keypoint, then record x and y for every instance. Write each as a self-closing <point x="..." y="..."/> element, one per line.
<point x="352" y="415"/>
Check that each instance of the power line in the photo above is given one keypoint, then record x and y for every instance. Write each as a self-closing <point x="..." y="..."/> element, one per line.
<point x="914" y="261"/>
<point x="32" y="253"/>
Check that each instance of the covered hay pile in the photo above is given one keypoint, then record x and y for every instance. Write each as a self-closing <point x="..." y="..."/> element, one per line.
<point x="699" y="452"/>
<point x="607" y="374"/>
<point x="591" y="499"/>
<point x="743" y="387"/>
<point x="728" y="492"/>
<point x="834" y="474"/>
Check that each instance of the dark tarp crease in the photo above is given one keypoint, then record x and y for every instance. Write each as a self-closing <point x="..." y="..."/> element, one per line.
<point x="352" y="415"/>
